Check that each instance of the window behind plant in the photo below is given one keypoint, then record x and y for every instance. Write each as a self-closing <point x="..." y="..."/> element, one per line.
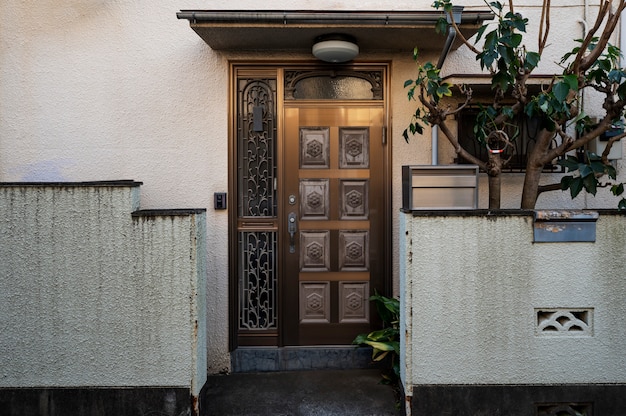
<point x="523" y="137"/>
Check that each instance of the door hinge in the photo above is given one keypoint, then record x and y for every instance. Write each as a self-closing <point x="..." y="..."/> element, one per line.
<point x="384" y="135"/>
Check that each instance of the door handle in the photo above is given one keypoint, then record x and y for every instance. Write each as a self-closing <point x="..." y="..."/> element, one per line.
<point x="292" y="227"/>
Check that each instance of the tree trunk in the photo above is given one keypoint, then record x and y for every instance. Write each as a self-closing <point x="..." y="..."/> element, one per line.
<point x="531" y="186"/>
<point x="534" y="167"/>
<point x="494" y="173"/>
<point x="494" y="191"/>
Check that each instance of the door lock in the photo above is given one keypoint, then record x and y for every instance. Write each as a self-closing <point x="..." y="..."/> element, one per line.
<point x="292" y="228"/>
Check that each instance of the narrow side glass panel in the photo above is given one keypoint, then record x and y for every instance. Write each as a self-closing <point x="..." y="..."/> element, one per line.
<point x="257" y="281"/>
<point x="256" y="142"/>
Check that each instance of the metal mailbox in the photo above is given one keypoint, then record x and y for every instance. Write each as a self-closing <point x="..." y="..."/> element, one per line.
<point x="439" y="187"/>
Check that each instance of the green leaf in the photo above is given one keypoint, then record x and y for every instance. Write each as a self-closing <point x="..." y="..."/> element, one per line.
<point x="618" y="189"/>
<point x="480" y="32"/>
<point x="501" y="80"/>
<point x="519" y="24"/>
<point x="597" y="166"/>
<point x="569" y="54"/>
<point x="566" y="182"/>
<point x="491" y="40"/>
<point x="378" y="355"/>
<point x="591" y="184"/>
<point x="388" y="309"/>
<point x="581" y="116"/>
<point x="611" y="171"/>
<point x="576" y="185"/>
<point x="496" y="5"/>
<point x="506" y="54"/>
<point x="444" y="90"/>
<point x="572" y="81"/>
<point x="530" y="109"/>
<point x="532" y="60"/>
<point x="613" y="51"/>
<point x="508" y="111"/>
<point x="408" y="82"/>
<point x="561" y="90"/>
<point x="360" y="339"/>
<point x="622" y="205"/>
<point x="604" y="64"/>
<point x="571" y="163"/>
<point x="442" y="25"/>
<point x="380" y="335"/>
<point x="585" y="170"/>
<point x="516" y="40"/>
<point x="411" y="94"/>
<point x="615" y="76"/>
<point x="382" y="346"/>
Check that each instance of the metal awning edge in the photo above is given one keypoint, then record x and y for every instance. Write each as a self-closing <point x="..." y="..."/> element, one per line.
<point x="241" y="30"/>
<point x="412" y="18"/>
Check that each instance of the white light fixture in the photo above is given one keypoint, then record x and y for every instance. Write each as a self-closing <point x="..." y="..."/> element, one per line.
<point x="335" y="48"/>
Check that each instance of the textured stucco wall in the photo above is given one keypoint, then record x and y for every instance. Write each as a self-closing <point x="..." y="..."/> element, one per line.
<point x="471" y="286"/>
<point x="91" y="296"/>
<point x="95" y="90"/>
<point x="101" y="90"/>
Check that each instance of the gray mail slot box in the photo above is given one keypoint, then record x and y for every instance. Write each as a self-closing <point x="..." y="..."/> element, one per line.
<point x="439" y="187"/>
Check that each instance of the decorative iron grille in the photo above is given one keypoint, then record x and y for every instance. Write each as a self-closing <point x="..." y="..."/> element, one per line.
<point x="257" y="148"/>
<point x="256" y="193"/>
<point x="257" y="281"/>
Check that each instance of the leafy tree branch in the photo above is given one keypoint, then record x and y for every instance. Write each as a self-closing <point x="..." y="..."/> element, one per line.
<point x="593" y="64"/>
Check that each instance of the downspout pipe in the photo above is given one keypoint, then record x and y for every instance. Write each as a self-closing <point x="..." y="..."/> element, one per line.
<point x="622" y="38"/>
<point x="457" y="12"/>
<point x="585" y="27"/>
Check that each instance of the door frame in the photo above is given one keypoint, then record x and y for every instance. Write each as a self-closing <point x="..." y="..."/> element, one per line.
<point x="263" y="68"/>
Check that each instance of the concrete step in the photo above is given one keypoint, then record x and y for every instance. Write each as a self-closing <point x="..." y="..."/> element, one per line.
<point x="300" y="393"/>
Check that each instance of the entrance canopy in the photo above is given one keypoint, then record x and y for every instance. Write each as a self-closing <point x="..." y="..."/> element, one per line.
<point x="297" y="30"/>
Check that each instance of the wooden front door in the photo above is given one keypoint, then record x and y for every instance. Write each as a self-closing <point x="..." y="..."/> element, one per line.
<point x="333" y="207"/>
<point x="310" y="204"/>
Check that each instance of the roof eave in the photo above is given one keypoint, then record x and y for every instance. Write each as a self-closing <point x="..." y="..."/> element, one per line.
<point x="240" y="30"/>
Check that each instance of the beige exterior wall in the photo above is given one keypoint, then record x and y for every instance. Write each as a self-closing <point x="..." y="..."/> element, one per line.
<point x="93" y="90"/>
<point x="93" y="297"/>
<point x="472" y="289"/>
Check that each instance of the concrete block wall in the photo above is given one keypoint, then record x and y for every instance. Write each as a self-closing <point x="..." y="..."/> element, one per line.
<point x="96" y="294"/>
<point x="485" y="305"/>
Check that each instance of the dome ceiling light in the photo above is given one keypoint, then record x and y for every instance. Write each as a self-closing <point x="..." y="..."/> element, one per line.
<point x="335" y="48"/>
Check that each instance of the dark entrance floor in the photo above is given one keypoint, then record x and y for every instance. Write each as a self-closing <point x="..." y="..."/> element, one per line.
<point x="299" y="393"/>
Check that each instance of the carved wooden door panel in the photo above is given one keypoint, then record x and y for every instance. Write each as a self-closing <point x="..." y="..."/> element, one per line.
<point x="333" y="203"/>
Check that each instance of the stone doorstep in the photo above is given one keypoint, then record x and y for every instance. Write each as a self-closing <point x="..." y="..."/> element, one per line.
<point x="262" y="359"/>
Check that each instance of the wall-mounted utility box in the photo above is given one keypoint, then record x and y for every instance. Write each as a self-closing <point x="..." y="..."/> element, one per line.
<point x="565" y="226"/>
<point x="427" y="187"/>
<point x="598" y="144"/>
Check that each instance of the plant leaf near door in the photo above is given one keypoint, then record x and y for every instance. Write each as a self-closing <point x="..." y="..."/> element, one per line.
<point x="386" y="341"/>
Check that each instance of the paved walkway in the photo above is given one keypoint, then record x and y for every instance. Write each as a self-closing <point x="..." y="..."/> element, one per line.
<point x="300" y="393"/>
